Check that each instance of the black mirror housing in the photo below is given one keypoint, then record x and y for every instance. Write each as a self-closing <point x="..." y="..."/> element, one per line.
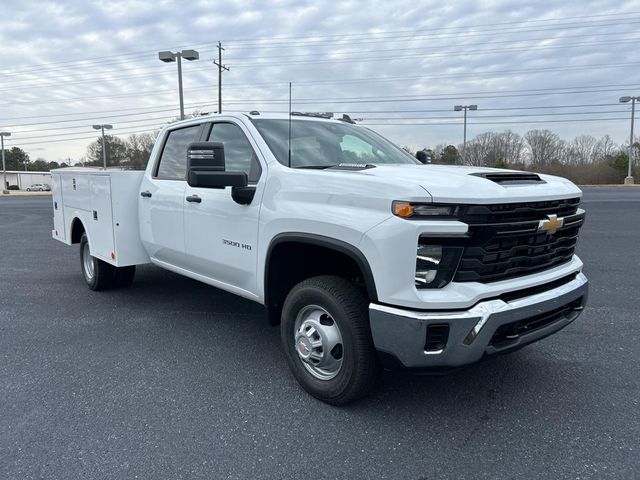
<point x="206" y="167"/>
<point x="216" y="179"/>
<point x="206" y="156"/>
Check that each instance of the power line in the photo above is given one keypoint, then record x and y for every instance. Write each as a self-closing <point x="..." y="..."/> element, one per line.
<point x="465" y="28"/>
<point x="155" y="124"/>
<point x="442" y="54"/>
<point x="568" y="120"/>
<point x="87" y="137"/>
<point x="375" y="99"/>
<point x="82" y="64"/>
<point x="517" y="115"/>
<point x="333" y="50"/>
<point x="37" y="67"/>
<point x="416" y="35"/>
<point x="99" y="117"/>
<point x="364" y="80"/>
<point x="343" y="60"/>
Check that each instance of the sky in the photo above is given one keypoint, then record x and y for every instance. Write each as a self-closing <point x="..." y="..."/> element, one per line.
<point x="400" y="66"/>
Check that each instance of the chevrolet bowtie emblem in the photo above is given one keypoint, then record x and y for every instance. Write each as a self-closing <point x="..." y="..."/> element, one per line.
<point x="551" y="225"/>
<point x="303" y="346"/>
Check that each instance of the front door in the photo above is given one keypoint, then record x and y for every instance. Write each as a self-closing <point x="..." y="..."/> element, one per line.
<point x="221" y="236"/>
<point x="161" y="210"/>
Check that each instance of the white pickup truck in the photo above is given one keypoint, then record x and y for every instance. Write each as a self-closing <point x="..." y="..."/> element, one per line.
<point x="364" y="257"/>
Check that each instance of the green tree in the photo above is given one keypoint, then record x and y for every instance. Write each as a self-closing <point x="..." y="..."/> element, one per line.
<point x="621" y="163"/>
<point x="15" y="158"/>
<point x="39" y="165"/>
<point x="449" y="155"/>
<point x="116" y="151"/>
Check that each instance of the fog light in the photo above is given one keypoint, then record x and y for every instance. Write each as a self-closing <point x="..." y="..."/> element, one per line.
<point x="435" y="265"/>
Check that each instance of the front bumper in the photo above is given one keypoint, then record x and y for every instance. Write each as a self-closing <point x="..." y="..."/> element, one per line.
<point x="401" y="334"/>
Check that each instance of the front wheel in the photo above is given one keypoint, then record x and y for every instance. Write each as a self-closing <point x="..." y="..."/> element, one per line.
<point x="327" y="339"/>
<point x="98" y="274"/>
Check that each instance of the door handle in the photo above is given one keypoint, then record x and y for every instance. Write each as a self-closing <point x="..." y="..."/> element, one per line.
<point x="145" y="194"/>
<point x="194" y="199"/>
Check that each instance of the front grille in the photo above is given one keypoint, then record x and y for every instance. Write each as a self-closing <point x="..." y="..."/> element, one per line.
<point x="518" y="212"/>
<point x="504" y="241"/>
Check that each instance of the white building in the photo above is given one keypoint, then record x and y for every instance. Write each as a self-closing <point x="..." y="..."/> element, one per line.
<point x="24" y="179"/>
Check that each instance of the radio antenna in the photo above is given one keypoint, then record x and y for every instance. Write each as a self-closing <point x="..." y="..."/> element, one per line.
<point x="289" y="141"/>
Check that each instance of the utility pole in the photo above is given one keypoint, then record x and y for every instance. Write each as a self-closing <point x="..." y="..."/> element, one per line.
<point x="221" y="68"/>
<point x="4" y="168"/>
<point x="457" y="108"/>
<point x="104" y="144"/>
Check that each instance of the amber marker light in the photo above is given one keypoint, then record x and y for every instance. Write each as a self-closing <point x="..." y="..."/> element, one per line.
<point x="402" y="209"/>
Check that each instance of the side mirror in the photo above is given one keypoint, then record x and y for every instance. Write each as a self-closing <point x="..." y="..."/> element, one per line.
<point x="206" y="167"/>
<point x="421" y="155"/>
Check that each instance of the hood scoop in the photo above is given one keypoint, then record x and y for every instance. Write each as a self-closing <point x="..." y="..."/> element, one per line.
<point x="510" y="178"/>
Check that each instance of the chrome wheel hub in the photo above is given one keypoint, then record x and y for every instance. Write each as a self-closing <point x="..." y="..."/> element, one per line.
<point x="318" y="342"/>
<point x="87" y="262"/>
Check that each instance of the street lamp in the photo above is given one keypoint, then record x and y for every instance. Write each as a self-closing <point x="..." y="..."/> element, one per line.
<point x="102" y="128"/>
<point x="4" y="168"/>
<point x="459" y="108"/>
<point x="168" y="57"/>
<point x="629" y="179"/>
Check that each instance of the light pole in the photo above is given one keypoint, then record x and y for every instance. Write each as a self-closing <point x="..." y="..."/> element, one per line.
<point x="4" y="168"/>
<point x="102" y="128"/>
<point x="168" y="57"/>
<point x="629" y="179"/>
<point x="459" y="108"/>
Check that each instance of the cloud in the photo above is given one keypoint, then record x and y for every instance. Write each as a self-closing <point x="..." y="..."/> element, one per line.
<point x="72" y="60"/>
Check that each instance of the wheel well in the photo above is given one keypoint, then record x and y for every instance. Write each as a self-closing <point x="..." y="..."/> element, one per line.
<point x="77" y="229"/>
<point x="291" y="261"/>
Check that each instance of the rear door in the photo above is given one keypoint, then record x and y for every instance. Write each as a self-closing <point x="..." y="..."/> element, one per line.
<point x="162" y="198"/>
<point x="221" y="236"/>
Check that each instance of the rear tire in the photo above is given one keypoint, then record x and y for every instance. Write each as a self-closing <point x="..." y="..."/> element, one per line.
<point x="123" y="276"/>
<point x="98" y="274"/>
<point x="327" y="339"/>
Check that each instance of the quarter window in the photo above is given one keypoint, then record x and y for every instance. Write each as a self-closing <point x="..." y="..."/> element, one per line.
<point x="173" y="162"/>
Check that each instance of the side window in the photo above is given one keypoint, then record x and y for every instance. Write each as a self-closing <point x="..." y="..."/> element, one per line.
<point x="173" y="162"/>
<point x="238" y="153"/>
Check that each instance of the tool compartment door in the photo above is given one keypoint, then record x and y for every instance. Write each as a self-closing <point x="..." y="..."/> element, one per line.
<point x="59" y="232"/>
<point x="101" y="221"/>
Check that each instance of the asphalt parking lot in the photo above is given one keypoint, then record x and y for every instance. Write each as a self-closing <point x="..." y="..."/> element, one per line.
<point x="174" y="379"/>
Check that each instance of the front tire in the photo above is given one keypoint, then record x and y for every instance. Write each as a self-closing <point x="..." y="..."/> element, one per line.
<point x="98" y="274"/>
<point x="327" y="339"/>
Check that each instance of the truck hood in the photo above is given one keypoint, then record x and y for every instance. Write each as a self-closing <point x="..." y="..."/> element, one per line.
<point x="460" y="184"/>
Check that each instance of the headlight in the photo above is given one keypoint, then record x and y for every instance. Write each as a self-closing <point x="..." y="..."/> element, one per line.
<point x="436" y="265"/>
<point x="423" y="210"/>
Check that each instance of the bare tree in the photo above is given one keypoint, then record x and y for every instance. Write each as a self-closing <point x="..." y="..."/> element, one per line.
<point x="495" y="149"/>
<point x="581" y="150"/>
<point x="139" y="150"/>
<point x="512" y="147"/>
<point x="545" y="147"/>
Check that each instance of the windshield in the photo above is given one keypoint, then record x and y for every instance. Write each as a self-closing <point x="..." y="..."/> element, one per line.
<point x="325" y="144"/>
